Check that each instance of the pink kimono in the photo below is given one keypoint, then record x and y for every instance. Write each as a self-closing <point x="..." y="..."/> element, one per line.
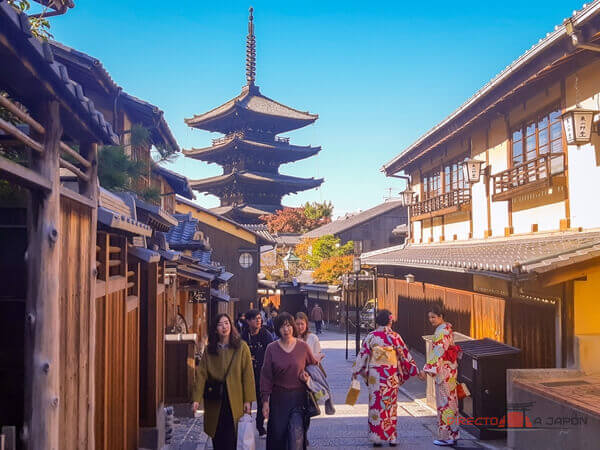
<point x="385" y="363"/>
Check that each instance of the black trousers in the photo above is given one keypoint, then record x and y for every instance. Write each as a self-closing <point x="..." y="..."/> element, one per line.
<point x="225" y="436"/>
<point x="318" y="325"/>
<point x="287" y="425"/>
<point x="260" y="419"/>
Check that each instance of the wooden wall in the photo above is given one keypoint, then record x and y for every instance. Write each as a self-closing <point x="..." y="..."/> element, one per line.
<point x="117" y="348"/>
<point x="377" y="232"/>
<point x="76" y="394"/>
<point x="526" y="325"/>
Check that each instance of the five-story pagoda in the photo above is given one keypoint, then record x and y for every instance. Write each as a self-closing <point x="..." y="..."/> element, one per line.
<point x="251" y="152"/>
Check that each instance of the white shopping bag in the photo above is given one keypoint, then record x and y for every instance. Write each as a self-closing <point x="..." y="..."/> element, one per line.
<point x="245" y="440"/>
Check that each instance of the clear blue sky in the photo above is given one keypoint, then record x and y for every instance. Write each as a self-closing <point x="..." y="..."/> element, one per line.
<point x="379" y="74"/>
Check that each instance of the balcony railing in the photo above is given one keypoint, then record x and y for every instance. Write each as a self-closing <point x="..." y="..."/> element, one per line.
<point x="527" y="176"/>
<point x="260" y="137"/>
<point x="441" y="204"/>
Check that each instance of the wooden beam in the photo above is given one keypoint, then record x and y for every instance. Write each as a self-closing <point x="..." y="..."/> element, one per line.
<point x="14" y="131"/>
<point x="43" y="321"/>
<point x="23" y="176"/>
<point x="72" y="195"/>
<point x="67" y="165"/>
<point x="573" y="272"/>
<point x="89" y="190"/>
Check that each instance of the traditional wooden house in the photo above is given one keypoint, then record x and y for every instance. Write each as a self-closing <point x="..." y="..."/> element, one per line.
<point x="373" y="227"/>
<point x="234" y="246"/>
<point x="251" y="152"/>
<point x="511" y="250"/>
<point x="48" y="311"/>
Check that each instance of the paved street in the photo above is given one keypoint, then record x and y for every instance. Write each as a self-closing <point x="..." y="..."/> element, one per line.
<point x="346" y="429"/>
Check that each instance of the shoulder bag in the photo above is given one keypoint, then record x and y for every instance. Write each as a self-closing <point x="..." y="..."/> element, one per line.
<point x="213" y="389"/>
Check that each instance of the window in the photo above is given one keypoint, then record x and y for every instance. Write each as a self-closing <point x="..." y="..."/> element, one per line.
<point x="245" y="260"/>
<point x="431" y="185"/>
<point x="537" y="137"/>
<point x="454" y="176"/>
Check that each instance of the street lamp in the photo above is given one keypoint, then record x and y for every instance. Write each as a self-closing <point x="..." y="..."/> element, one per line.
<point x="407" y="196"/>
<point x="577" y="124"/>
<point x="291" y="261"/>
<point x="472" y="170"/>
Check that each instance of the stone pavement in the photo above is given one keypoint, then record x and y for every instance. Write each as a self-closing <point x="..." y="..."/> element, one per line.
<point x="348" y="428"/>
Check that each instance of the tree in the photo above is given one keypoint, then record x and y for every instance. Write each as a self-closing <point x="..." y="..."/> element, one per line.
<point x="289" y="220"/>
<point x="319" y="211"/>
<point x="313" y="251"/>
<point x="40" y="27"/>
<point x="331" y="269"/>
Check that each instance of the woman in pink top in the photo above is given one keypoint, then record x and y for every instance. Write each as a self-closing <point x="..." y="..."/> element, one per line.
<point x="283" y="387"/>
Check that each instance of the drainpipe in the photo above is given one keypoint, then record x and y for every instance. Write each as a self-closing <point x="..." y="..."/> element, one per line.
<point x="114" y="124"/>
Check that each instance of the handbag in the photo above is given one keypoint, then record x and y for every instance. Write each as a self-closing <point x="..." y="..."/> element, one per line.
<point x="312" y="407"/>
<point x="353" y="392"/>
<point x="213" y="389"/>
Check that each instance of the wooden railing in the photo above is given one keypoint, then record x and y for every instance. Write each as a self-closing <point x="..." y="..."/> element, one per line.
<point x="527" y="176"/>
<point x="261" y="137"/>
<point x="441" y="204"/>
<point x="74" y="162"/>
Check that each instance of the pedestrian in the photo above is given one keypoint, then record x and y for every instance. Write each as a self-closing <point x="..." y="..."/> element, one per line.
<point x="257" y="338"/>
<point x="224" y="383"/>
<point x="316" y="315"/>
<point x="240" y="323"/>
<point x="283" y="387"/>
<point x="271" y="322"/>
<point x="385" y="363"/>
<point x="442" y="364"/>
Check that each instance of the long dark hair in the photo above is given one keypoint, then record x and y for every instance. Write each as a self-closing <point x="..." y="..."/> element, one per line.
<point x="213" y="335"/>
<point x="301" y="316"/>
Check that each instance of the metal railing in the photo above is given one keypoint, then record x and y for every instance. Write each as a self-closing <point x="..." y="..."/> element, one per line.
<point x="454" y="198"/>
<point x="527" y="174"/>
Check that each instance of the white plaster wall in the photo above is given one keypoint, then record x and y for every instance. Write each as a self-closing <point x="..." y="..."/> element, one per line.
<point x="437" y="229"/>
<point x="547" y="217"/>
<point x="584" y="185"/>
<point x="498" y="210"/>
<point x="461" y="229"/>
<point x="417" y="231"/>
<point x="478" y="209"/>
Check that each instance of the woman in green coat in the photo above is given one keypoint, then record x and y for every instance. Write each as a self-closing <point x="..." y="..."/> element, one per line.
<point x="227" y="358"/>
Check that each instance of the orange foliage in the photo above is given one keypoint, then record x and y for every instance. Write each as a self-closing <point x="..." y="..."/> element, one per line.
<point x="331" y="269"/>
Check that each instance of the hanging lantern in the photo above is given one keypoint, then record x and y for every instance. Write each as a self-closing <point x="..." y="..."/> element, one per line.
<point x="577" y="124"/>
<point x="472" y="170"/>
<point x="407" y="196"/>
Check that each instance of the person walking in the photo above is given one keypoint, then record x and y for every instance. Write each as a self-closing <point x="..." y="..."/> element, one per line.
<point x="311" y="339"/>
<point x="316" y="315"/>
<point x="385" y="363"/>
<point x="224" y="383"/>
<point x="442" y="364"/>
<point x="257" y="338"/>
<point x="283" y="387"/>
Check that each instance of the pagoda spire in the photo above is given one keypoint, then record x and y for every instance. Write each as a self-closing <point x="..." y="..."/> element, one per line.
<point x="250" y="51"/>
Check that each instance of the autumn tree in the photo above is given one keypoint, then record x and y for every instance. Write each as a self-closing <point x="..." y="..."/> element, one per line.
<point x="319" y="211"/>
<point x="331" y="269"/>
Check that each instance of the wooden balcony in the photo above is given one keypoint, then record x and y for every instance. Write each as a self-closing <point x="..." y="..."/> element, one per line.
<point x="528" y="176"/>
<point x="439" y="205"/>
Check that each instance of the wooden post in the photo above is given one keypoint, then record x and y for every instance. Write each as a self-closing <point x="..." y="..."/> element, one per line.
<point x="42" y="336"/>
<point x="89" y="189"/>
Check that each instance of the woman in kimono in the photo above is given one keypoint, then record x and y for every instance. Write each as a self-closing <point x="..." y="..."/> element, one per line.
<point x="385" y="363"/>
<point x="442" y="365"/>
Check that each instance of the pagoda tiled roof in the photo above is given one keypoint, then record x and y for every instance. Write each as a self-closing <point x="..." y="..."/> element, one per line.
<point x="286" y="182"/>
<point x="278" y="150"/>
<point x="252" y="108"/>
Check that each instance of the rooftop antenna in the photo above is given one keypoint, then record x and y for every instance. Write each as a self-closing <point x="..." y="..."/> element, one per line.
<point x="250" y="50"/>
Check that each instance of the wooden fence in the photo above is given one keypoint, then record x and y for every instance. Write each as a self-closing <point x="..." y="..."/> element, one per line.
<point x="527" y="325"/>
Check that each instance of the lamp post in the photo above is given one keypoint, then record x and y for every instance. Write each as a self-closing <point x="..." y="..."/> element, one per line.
<point x="577" y="124"/>
<point x="408" y="198"/>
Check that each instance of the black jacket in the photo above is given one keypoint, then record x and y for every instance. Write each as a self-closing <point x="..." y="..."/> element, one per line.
<point x="258" y="345"/>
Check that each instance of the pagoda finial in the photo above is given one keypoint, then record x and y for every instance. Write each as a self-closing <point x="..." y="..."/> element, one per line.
<point x="250" y="50"/>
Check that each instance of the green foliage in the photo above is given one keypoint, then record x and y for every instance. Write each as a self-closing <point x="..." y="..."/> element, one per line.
<point x="116" y="170"/>
<point x="40" y="27"/>
<point x="331" y="269"/>
<point x="140" y="136"/>
<point x="318" y="211"/>
<point x="313" y="252"/>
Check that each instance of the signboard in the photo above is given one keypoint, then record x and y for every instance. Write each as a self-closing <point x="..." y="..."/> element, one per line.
<point x="200" y="295"/>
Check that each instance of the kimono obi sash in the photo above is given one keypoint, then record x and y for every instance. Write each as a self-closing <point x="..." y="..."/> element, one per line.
<point x="384" y="356"/>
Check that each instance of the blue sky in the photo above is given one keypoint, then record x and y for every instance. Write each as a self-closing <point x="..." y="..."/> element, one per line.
<point x="379" y="74"/>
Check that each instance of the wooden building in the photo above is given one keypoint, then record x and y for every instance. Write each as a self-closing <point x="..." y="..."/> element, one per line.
<point x="234" y="246"/>
<point x="251" y="151"/>
<point x="373" y="227"/>
<point x="48" y="310"/>
<point x="512" y="254"/>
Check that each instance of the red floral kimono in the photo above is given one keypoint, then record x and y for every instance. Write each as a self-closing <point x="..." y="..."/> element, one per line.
<point x="442" y="364"/>
<point x="385" y="363"/>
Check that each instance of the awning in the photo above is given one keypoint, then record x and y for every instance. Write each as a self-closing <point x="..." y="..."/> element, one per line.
<point x="170" y="255"/>
<point x="324" y="288"/>
<point x="195" y="274"/>
<point x="219" y="295"/>
<point x="513" y="257"/>
<point x="145" y="254"/>
<point x="225" y="276"/>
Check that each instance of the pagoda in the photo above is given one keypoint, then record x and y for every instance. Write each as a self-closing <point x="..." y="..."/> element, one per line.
<point x="251" y="150"/>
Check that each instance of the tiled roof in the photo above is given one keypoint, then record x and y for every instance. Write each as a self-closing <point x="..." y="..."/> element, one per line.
<point x="514" y="256"/>
<point x="290" y="183"/>
<point x="181" y="236"/>
<point x="337" y="226"/>
<point x="27" y="56"/>
<point x="261" y="230"/>
<point x="203" y="256"/>
<point x="249" y="102"/>
<point x="179" y="183"/>
<point x="120" y="214"/>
